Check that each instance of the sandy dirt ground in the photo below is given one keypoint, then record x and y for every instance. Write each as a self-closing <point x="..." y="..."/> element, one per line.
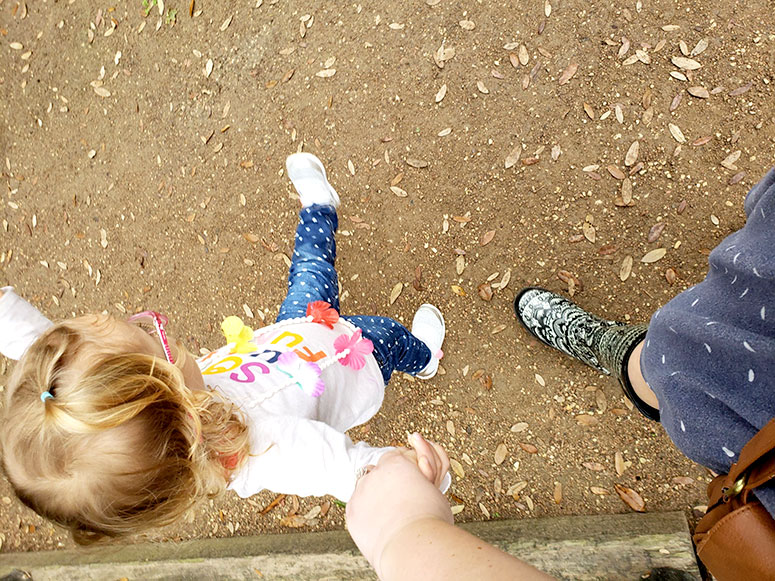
<point x="597" y="148"/>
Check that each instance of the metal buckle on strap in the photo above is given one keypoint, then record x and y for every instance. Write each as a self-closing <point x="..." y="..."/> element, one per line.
<point x="729" y="492"/>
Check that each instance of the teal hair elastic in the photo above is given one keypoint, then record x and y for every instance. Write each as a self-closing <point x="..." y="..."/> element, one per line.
<point x="46" y="395"/>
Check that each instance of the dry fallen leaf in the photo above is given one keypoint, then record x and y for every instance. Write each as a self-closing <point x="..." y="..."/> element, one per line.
<point x="482" y="88"/>
<point x="588" y="231"/>
<point x="676" y="132"/>
<point x="487" y="237"/>
<point x="586" y="420"/>
<point x="325" y="73"/>
<point x="398" y="191"/>
<point x="498" y="328"/>
<point x="557" y="493"/>
<point x="601" y="401"/>
<point x="599" y="491"/>
<point x="457" y="468"/>
<point x="626" y="192"/>
<point x="277" y="500"/>
<point x="442" y="93"/>
<point x="460" y="264"/>
<point x="699" y="92"/>
<point x="654" y="255"/>
<point x="685" y="63"/>
<point x="631" y="498"/>
<point x="568" y="73"/>
<point x="394" y="294"/>
<point x="675" y="102"/>
<point x="619" y="463"/>
<point x="513" y="157"/>
<point x="523" y="55"/>
<point x="500" y="453"/>
<point x="632" y="154"/>
<point x="700" y="47"/>
<point x="740" y="90"/>
<point x="571" y="280"/>
<point x="655" y="232"/>
<point x="729" y="161"/>
<point x="516" y="488"/>
<point x="616" y="172"/>
<point x="485" y="291"/>
<point x="670" y="276"/>
<point x="624" y="47"/>
<point x="529" y="448"/>
<point x="442" y="55"/>
<point x="626" y="269"/>
<point x="596" y="466"/>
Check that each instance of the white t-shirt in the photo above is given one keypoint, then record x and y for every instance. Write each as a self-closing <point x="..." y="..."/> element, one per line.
<point x="298" y="444"/>
<point x="297" y="441"/>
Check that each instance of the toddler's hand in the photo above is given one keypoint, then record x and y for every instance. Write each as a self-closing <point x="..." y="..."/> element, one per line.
<point x="430" y="458"/>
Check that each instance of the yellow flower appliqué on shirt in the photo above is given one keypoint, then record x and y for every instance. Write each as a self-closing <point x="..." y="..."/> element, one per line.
<point x="238" y="333"/>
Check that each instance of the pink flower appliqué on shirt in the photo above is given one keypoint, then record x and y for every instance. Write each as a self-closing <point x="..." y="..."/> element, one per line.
<point x="305" y="374"/>
<point x="358" y="349"/>
<point x="323" y="313"/>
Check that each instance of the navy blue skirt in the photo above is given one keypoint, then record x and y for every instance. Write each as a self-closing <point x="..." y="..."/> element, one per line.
<point x="710" y="352"/>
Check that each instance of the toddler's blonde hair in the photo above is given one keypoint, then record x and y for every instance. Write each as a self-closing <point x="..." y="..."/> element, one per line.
<point x="123" y="445"/>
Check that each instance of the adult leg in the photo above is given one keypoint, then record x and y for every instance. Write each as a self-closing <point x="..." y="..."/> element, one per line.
<point x="607" y="346"/>
<point x="638" y="382"/>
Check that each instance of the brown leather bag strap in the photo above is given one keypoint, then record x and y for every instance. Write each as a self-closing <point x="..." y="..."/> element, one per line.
<point x="757" y="460"/>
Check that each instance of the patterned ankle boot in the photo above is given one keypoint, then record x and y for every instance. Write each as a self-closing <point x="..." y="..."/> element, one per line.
<point x="601" y="344"/>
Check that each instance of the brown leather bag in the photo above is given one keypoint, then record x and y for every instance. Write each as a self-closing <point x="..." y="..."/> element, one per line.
<point x="736" y="537"/>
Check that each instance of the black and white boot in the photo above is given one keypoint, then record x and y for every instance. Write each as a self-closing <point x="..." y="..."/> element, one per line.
<point x="603" y="345"/>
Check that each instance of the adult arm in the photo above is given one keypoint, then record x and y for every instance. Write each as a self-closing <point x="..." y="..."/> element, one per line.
<point x="20" y="324"/>
<point x="403" y="526"/>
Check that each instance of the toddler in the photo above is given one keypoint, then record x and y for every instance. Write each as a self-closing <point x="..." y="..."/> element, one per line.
<point x="110" y="428"/>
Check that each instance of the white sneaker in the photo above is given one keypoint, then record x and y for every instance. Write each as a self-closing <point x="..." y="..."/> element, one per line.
<point x="428" y="326"/>
<point x="308" y="176"/>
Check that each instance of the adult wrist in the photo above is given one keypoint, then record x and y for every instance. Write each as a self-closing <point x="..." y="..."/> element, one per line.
<point x="393" y="549"/>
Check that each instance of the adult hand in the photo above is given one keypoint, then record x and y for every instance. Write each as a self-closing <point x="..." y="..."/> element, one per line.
<point x="395" y="493"/>
<point x="403" y="525"/>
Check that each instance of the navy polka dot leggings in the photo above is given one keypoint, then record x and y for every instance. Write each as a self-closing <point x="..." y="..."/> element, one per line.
<point x="313" y="277"/>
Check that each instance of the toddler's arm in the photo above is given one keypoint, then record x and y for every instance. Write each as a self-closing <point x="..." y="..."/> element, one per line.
<point x="20" y="324"/>
<point x="294" y="455"/>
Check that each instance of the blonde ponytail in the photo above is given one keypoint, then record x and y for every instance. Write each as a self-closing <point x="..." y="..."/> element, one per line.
<point x="123" y="445"/>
